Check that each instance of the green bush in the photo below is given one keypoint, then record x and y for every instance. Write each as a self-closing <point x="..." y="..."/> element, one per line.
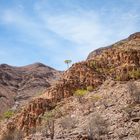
<point x="90" y="88"/>
<point x="80" y="92"/>
<point x="48" y="115"/>
<point x="93" y="64"/>
<point x="96" y="97"/>
<point x="8" y="114"/>
<point x="134" y="74"/>
<point x="118" y="78"/>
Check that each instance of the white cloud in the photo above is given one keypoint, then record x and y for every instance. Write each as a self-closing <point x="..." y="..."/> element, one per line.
<point x="89" y="31"/>
<point x="30" y="28"/>
<point x="77" y="29"/>
<point x="84" y="30"/>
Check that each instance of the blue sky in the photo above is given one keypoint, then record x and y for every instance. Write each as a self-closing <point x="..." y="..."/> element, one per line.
<point x="50" y="31"/>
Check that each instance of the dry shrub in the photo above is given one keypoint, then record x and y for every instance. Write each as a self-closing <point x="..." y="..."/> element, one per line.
<point x="134" y="92"/>
<point x="68" y="122"/>
<point x="129" y="109"/>
<point x="13" y="135"/>
<point x="49" y="130"/>
<point x="49" y="119"/>
<point x="97" y="127"/>
<point x="137" y="132"/>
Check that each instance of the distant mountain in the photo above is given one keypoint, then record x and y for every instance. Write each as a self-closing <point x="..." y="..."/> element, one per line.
<point x="19" y="84"/>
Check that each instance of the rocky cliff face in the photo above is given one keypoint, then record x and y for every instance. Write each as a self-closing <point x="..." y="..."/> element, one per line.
<point x="119" y="62"/>
<point x="19" y="84"/>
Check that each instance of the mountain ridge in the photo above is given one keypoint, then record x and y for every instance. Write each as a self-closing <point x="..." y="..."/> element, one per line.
<point x="19" y="80"/>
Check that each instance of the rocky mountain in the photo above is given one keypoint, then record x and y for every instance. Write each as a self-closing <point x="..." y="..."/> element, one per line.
<point x="95" y="99"/>
<point x="19" y="84"/>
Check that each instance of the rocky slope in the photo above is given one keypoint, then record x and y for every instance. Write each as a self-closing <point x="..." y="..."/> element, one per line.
<point x="18" y="84"/>
<point x="119" y="62"/>
<point x="108" y="113"/>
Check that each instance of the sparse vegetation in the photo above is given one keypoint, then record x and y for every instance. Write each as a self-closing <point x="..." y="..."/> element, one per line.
<point x="49" y="125"/>
<point x="68" y="122"/>
<point x="96" y="97"/>
<point x="48" y="129"/>
<point x="8" y="114"/>
<point x="68" y="62"/>
<point x="137" y="132"/>
<point x="40" y="92"/>
<point x="122" y="77"/>
<point x="79" y="94"/>
<point x="92" y="63"/>
<point x="48" y="115"/>
<point x="13" y="135"/>
<point x="97" y="127"/>
<point x="128" y="109"/>
<point x="90" y="88"/>
<point x="58" y="113"/>
<point x="106" y="102"/>
<point x="135" y="74"/>
<point x="134" y="92"/>
<point x="118" y="78"/>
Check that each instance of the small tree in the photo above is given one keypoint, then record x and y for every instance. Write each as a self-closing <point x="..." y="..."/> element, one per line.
<point x="137" y="132"/>
<point x="134" y="92"/>
<point x="68" y="122"/>
<point x="97" y="127"/>
<point x="67" y="62"/>
<point x="49" y="125"/>
<point x="13" y="135"/>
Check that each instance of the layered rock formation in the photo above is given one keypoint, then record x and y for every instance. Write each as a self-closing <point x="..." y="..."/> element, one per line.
<point x="120" y="62"/>
<point x="18" y="84"/>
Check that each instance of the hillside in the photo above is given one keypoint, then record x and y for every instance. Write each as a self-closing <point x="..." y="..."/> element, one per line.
<point x="106" y="107"/>
<point x="19" y="84"/>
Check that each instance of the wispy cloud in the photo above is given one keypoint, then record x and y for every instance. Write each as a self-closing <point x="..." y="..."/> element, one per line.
<point x="64" y="29"/>
<point x="88" y="30"/>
